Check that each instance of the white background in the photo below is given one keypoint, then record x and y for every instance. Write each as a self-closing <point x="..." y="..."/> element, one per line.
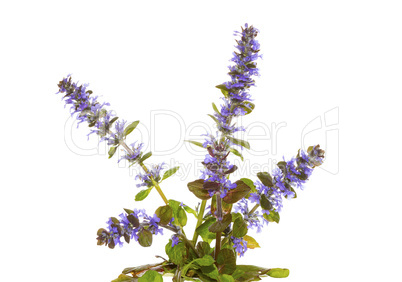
<point x="57" y="188"/>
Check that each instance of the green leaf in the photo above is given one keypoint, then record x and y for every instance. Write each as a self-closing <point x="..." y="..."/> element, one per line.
<point x="151" y="275"/>
<point x="226" y="261"/>
<point x="112" y="150"/>
<point x="204" y="261"/>
<point x="237" y="193"/>
<point x="248" y="107"/>
<point x="214" y="118"/>
<point x="145" y="238"/>
<point x="291" y="189"/>
<point x="190" y="210"/>
<point x="142" y="194"/>
<point x="249" y="272"/>
<point x="250" y="184"/>
<point x="177" y="254"/>
<point x="215" y="108"/>
<point x="124" y="278"/>
<point x="251" y="242"/>
<point x="211" y="271"/>
<point x="265" y="178"/>
<point x="282" y="166"/>
<point x="199" y="144"/>
<point x="278" y="272"/>
<point x="238" y="273"/>
<point x="112" y="121"/>
<point x="165" y="214"/>
<point x="128" y="211"/>
<point x="115" y="220"/>
<point x="144" y="157"/>
<point x="130" y="127"/>
<point x="237" y="153"/>
<point x="220" y="226"/>
<point x="223" y="89"/>
<point x="196" y="187"/>
<point x="239" y="142"/>
<point x="226" y="278"/>
<point x="203" y="231"/>
<point x="273" y="216"/>
<point x="135" y="270"/>
<point x="203" y="248"/>
<point x="182" y="217"/>
<point x="170" y="172"/>
<point x="239" y="228"/>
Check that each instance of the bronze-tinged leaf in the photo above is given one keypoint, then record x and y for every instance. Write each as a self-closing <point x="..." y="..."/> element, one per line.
<point x="196" y="187"/>
<point x="127" y="238"/>
<point x="233" y="169"/>
<point x="237" y="193"/>
<point x="133" y="220"/>
<point x="165" y="214"/>
<point x="282" y="166"/>
<point x="220" y="226"/>
<point x="265" y="203"/>
<point x="145" y="238"/>
<point x="209" y="185"/>
<point x="265" y="178"/>
<point x="111" y="245"/>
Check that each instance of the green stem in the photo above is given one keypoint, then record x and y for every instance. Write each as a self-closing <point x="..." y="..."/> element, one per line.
<point x="199" y="221"/>
<point x="254" y="208"/>
<point x="157" y="187"/>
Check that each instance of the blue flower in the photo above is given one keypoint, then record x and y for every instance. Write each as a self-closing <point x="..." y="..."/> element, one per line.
<point x="118" y="134"/>
<point x="146" y="177"/>
<point x="175" y="240"/>
<point x="240" y="245"/>
<point x="135" y="156"/>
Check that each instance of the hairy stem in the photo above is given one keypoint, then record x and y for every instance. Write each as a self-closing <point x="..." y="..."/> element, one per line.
<point x="219" y="217"/>
<point x="199" y="221"/>
<point x="218" y="244"/>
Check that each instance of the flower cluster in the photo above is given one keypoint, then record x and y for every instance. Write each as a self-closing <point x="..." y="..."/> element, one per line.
<point x="217" y="167"/>
<point x="128" y="227"/>
<point x="254" y="220"/>
<point x="135" y="153"/>
<point x="152" y="173"/>
<point x="287" y="176"/>
<point x="99" y="119"/>
<point x="240" y="245"/>
<point x="86" y="107"/>
<point x="235" y="103"/>
<point x="237" y="98"/>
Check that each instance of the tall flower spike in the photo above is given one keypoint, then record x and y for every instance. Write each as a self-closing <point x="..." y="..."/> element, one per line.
<point x="235" y="103"/>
